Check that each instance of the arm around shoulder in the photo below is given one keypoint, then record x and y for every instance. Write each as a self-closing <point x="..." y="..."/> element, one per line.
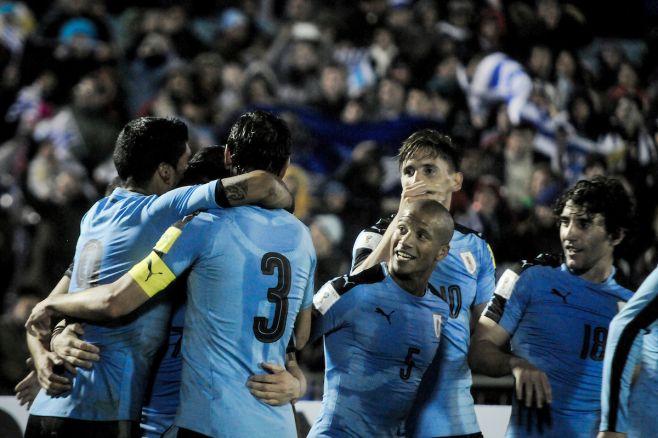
<point x="257" y="187"/>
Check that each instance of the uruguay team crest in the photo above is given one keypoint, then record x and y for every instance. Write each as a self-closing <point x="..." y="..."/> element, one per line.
<point x="437" y="324"/>
<point x="469" y="261"/>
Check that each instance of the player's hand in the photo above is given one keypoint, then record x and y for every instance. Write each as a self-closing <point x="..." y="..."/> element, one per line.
<point x="531" y="383"/>
<point x="48" y="367"/>
<point x="277" y="388"/>
<point x="611" y="435"/>
<point x="74" y="351"/>
<point x="38" y="323"/>
<point x="28" y="388"/>
<point x="415" y="191"/>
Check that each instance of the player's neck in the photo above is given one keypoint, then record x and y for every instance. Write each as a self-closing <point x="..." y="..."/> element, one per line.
<point x="411" y="283"/>
<point x="598" y="273"/>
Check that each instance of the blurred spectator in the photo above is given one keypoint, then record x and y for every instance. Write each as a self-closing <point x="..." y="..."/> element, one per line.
<point x="390" y="100"/>
<point x="146" y="71"/>
<point x="333" y="90"/>
<point x="327" y="234"/>
<point x="519" y="165"/>
<point x="298" y="183"/>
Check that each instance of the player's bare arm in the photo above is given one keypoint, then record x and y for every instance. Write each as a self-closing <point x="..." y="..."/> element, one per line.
<point x="257" y="186"/>
<point x="476" y="311"/>
<point x="44" y="361"/>
<point x="103" y="302"/>
<point x="486" y="357"/>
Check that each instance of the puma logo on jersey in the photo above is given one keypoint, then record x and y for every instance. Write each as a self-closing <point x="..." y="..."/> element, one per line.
<point x="561" y="295"/>
<point x="149" y="265"/>
<point x="348" y="282"/>
<point x="384" y="314"/>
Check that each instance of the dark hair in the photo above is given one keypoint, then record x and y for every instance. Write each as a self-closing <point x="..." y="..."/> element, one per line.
<point x="603" y="195"/>
<point x="204" y="166"/>
<point x="146" y="142"/>
<point x="434" y="144"/>
<point x="259" y="141"/>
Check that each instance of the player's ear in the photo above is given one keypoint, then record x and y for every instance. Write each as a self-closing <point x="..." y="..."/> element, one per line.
<point x="228" y="160"/>
<point x="284" y="169"/>
<point x="457" y="180"/>
<point x="443" y="252"/>
<point x="616" y="238"/>
<point x="165" y="172"/>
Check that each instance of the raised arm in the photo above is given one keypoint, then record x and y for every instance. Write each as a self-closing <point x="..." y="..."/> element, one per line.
<point x="381" y="252"/>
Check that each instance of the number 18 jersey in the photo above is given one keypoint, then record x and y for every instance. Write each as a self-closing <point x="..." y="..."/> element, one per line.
<point x="559" y="323"/>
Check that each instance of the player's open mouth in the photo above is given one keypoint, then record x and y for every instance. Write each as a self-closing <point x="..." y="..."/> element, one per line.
<point x="404" y="255"/>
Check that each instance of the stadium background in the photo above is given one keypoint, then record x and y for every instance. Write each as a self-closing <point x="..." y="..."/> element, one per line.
<point x="353" y="79"/>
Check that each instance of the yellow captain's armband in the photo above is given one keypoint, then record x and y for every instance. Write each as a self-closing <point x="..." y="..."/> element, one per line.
<point x="167" y="239"/>
<point x="152" y="274"/>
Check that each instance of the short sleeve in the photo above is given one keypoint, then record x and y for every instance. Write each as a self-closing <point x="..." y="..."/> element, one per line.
<point x="335" y="316"/>
<point x="486" y="281"/>
<point x="185" y="200"/>
<point x="515" y="307"/>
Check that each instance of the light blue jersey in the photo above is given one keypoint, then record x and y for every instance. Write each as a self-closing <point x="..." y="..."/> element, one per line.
<point x="117" y="232"/>
<point x="162" y="397"/>
<point x="252" y="272"/>
<point x="465" y="278"/>
<point x="633" y="340"/>
<point x="379" y="339"/>
<point x="559" y="323"/>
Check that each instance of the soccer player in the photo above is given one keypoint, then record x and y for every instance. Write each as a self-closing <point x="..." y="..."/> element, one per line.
<point x="381" y="329"/>
<point x="150" y="156"/>
<point x="251" y="281"/>
<point x="429" y="165"/>
<point x="632" y="340"/>
<point x="558" y="316"/>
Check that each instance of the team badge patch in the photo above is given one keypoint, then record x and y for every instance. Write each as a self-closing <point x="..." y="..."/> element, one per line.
<point x="367" y="240"/>
<point x="325" y="298"/>
<point x="469" y="261"/>
<point x="437" y="324"/>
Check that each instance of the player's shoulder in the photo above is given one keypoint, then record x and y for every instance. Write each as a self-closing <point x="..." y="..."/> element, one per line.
<point x="381" y="225"/>
<point x="463" y="233"/>
<point x="339" y="287"/>
<point x="543" y="266"/>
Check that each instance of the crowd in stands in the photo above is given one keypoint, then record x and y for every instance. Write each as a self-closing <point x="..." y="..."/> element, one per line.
<point x="538" y="93"/>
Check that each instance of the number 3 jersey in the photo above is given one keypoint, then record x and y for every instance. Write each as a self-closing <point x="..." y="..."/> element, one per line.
<point x="464" y="279"/>
<point x="559" y="323"/>
<point x="251" y="273"/>
<point x="379" y="339"/>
